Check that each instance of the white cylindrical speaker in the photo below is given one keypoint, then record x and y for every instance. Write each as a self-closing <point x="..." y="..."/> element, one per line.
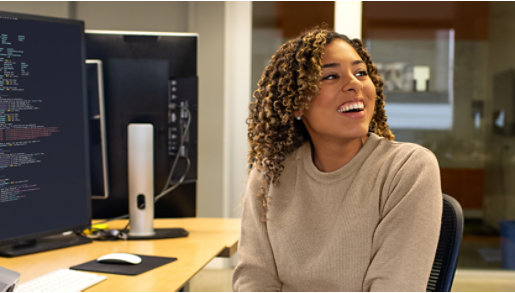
<point x="140" y="152"/>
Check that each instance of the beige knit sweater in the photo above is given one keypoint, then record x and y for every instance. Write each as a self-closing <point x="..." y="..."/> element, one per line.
<point x="372" y="225"/>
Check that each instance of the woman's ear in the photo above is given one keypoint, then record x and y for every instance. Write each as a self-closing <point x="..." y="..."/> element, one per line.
<point x="297" y="114"/>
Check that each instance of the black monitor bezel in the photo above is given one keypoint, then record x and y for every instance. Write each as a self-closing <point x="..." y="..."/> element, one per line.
<point x="76" y="226"/>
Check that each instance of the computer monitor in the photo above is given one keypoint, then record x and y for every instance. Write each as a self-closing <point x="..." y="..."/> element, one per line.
<point x="44" y="175"/>
<point x="147" y="77"/>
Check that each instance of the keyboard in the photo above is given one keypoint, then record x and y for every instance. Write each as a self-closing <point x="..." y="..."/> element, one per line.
<point x="63" y="280"/>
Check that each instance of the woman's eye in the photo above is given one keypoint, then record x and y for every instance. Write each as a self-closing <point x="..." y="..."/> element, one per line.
<point x="362" y="73"/>
<point x="330" y="76"/>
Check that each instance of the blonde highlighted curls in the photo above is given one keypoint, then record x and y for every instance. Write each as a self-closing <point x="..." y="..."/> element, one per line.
<point x="288" y="84"/>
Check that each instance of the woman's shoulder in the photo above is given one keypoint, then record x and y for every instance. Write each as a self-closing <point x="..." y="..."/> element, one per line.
<point x="399" y="147"/>
<point x="402" y="151"/>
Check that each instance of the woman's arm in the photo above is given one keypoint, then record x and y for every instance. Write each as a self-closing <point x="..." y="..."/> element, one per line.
<point x="256" y="270"/>
<point x="405" y="240"/>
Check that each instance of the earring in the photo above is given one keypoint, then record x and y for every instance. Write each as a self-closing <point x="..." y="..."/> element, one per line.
<point x="298" y="118"/>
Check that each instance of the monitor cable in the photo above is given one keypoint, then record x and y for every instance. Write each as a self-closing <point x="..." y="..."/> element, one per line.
<point x="180" y="154"/>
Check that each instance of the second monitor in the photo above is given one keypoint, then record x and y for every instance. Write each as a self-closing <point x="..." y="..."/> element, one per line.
<point x="147" y="78"/>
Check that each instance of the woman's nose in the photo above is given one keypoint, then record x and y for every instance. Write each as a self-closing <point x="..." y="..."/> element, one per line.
<point x="352" y="84"/>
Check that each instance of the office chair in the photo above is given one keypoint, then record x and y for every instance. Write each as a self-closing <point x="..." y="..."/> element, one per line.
<point x="444" y="265"/>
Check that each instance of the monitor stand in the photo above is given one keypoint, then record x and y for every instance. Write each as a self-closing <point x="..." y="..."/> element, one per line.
<point x="43" y="244"/>
<point x="140" y="152"/>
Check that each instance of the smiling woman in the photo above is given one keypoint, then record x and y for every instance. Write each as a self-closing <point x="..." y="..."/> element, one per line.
<point x="294" y="77"/>
<point x="354" y="210"/>
<point x="340" y="115"/>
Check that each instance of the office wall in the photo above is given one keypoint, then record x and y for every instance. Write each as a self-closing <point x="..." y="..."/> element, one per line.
<point x="134" y="15"/>
<point x="347" y="18"/>
<point x="207" y="18"/>
<point x="54" y="8"/>
<point x="237" y="92"/>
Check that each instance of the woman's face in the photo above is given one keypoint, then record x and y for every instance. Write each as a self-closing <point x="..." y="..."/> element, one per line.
<point x="344" y="106"/>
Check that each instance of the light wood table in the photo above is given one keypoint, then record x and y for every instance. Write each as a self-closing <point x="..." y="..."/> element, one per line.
<point x="207" y="239"/>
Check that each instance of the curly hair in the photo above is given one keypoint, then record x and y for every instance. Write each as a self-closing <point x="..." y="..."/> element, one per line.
<point x="288" y="84"/>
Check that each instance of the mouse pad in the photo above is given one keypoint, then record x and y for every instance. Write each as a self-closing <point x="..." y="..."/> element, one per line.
<point x="147" y="263"/>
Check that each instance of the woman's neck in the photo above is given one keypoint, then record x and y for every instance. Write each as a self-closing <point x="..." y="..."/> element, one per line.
<point x="329" y="157"/>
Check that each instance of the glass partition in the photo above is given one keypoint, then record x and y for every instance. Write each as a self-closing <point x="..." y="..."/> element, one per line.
<point x="450" y="86"/>
<point x="418" y="79"/>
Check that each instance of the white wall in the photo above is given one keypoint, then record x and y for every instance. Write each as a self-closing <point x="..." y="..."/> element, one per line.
<point x="169" y="16"/>
<point x="238" y="49"/>
<point x="207" y="18"/>
<point x="54" y="8"/>
<point x="347" y="18"/>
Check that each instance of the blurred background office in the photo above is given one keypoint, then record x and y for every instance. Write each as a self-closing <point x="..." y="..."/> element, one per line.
<point x="449" y="81"/>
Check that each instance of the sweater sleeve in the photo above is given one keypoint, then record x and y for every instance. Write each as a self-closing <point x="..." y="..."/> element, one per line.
<point x="256" y="269"/>
<point x="405" y="240"/>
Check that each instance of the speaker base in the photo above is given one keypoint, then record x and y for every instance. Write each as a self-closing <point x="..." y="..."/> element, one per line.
<point x="162" y="234"/>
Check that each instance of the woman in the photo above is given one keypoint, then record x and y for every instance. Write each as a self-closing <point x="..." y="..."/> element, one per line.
<point x="332" y="202"/>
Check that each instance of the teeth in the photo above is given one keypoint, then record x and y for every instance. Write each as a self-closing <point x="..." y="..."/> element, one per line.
<point x="351" y="106"/>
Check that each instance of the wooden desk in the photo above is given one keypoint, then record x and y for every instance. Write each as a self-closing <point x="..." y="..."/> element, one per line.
<point x="208" y="238"/>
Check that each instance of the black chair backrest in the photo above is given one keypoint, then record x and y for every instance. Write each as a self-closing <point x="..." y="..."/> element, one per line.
<point x="444" y="265"/>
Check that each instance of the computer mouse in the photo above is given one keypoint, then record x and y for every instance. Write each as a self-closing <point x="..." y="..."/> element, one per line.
<point x="119" y="258"/>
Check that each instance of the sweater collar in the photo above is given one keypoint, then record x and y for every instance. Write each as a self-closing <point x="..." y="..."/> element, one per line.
<point x="304" y="154"/>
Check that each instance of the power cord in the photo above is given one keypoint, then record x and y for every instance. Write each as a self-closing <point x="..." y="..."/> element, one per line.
<point x="180" y="154"/>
